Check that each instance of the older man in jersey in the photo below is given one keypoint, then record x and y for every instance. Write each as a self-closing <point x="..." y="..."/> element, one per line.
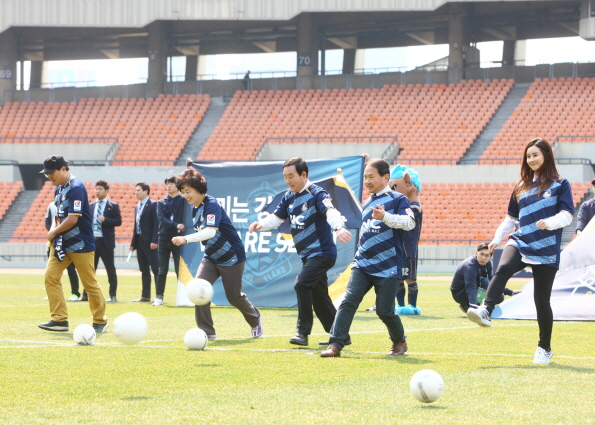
<point x="313" y="220"/>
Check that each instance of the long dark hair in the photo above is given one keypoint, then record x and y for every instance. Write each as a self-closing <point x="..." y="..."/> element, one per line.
<point x="547" y="174"/>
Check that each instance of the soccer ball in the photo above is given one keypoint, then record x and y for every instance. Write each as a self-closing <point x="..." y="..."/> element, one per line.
<point x="199" y="291"/>
<point x="130" y="328"/>
<point x="196" y="339"/>
<point x="84" y="335"/>
<point x="426" y="385"/>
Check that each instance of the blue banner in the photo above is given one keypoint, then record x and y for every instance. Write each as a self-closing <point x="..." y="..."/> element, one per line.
<point x="245" y="190"/>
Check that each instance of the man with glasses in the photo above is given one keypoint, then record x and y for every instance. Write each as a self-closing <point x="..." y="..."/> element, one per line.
<point x="472" y="278"/>
<point x="72" y="241"/>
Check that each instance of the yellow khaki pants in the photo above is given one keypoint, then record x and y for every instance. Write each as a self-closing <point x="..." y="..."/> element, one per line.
<point x="84" y="263"/>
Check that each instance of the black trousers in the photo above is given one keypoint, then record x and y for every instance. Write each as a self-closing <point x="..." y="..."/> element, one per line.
<point x="165" y="250"/>
<point x="147" y="263"/>
<point x="107" y="256"/>
<point x="462" y="298"/>
<point x="543" y="280"/>
<point x="311" y="288"/>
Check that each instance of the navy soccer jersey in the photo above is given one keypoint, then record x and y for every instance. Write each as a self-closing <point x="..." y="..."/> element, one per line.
<point x="226" y="247"/>
<point x="71" y="199"/>
<point x="312" y="235"/>
<point x="542" y="246"/>
<point x="380" y="250"/>
<point x="411" y="237"/>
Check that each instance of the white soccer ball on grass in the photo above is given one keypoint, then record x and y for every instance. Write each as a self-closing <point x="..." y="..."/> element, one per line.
<point x="199" y="291"/>
<point x="426" y="385"/>
<point x="196" y="339"/>
<point x="84" y="335"/>
<point x="130" y="328"/>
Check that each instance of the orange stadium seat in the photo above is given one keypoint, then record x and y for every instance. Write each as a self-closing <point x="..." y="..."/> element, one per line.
<point x="430" y="120"/>
<point x="141" y="126"/>
<point x="9" y="191"/>
<point x="539" y="115"/>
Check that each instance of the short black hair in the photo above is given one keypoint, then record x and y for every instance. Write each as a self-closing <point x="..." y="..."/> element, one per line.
<point x="144" y="187"/>
<point x="381" y="166"/>
<point x="103" y="184"/>
<point x="299" y="163"/>
<point x="170" y="179"/>
<point x="482" y="246"/>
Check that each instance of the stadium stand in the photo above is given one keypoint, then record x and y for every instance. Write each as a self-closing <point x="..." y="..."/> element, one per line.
<point x="8" y="192"/>
<point x="430" y="120"/>
<point x="32" y="226"/>
<point x="551" y="107"/>
<point x="145" y="129"/>
<point x="463" y="212"/>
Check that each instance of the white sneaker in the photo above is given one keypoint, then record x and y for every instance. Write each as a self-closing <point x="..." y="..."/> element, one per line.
<point x="258" y="330"/>
<point x="212" y="337"/>
<point x="480" y="315"/>
<point x="542" y="356"/>
<point x="158" y="302"/>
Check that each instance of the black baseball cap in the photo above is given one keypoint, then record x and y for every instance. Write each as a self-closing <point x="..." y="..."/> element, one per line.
<point x="53" y="163"/>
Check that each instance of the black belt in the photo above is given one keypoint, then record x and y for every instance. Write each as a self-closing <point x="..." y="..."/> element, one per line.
<point x="98" y="237"/>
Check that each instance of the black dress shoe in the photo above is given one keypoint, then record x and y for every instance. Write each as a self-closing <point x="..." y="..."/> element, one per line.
<point x="347" y="342"/>
<point x="112" y="300"/>
<point x="84" y="298"/>
<point x="298" y="339"/>
<point x="55" y="326"/>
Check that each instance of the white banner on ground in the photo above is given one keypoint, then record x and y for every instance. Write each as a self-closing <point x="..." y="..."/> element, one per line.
<point x="573" y="294"/>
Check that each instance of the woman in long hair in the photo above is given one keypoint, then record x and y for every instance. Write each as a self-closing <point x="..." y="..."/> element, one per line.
<point x="542" y="205"/>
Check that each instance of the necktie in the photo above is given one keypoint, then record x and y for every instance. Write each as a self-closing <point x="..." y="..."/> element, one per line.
<point x="99" y="212"/>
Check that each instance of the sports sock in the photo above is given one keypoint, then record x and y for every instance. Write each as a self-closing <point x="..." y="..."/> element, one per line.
<point x="412" y="293"/>
<point x="401" y="294"/>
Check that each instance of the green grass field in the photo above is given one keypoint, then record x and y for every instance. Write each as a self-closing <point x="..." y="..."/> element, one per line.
<point x="489" y="375"/>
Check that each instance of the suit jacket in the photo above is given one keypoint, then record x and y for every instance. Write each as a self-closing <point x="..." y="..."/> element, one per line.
<point x="585" y="214"/>
<point x="149" y="225"/>
<point x="113" y="219"/>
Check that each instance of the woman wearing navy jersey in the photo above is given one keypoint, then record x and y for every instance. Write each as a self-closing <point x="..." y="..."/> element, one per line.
<point x="542" y="205"/>
<point x="224" y="256"/>
<point x="378" y="260"/>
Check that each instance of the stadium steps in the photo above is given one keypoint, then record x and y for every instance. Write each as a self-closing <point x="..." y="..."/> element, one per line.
<point x="568" y="231"/>
<point x="203" y="131"/>
<point x="16" y="212"/>
<point x="491" y="130"/>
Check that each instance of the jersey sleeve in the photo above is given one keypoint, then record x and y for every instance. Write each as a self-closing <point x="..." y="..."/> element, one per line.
<point x="513" y="207"/>
<point x="565" y="202"/>
<point x="324" y="202"/>
<point x="78" y="196"/>
<point x="281" y="210"/>
<point x="212" y="215"/>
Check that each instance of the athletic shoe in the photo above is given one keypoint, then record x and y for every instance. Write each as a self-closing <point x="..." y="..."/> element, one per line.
<point x="373" y="308"/>
<point x="158" y="302"/>
<point x="463" y="309"/>
<point x="405" y="311"/>
<point x="258" y="329"/>
<point x="212" y="337"/>
<point x="73" y="298"/>
<point x="416" y="310"/>
<point x="542" y="356"/>
<point x="100" y="327"/>
<point x="480" y="315"/>
<point x="298" y="339"/>
<point x="55" y="326"/>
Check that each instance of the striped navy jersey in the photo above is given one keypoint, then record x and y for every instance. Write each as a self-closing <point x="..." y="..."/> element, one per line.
<point x="226" y="247"/>
<point x="411" y="237"/>
<point x="312" y="235"/>
<point x="542" y="246"/>
<point x="71" y="199"/>
<point x="380" y="250"/>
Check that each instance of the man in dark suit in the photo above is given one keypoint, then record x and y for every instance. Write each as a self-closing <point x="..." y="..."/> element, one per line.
<point x="170" y="213"/>
<point x="145" y="238"/>
<point x="106" y="217"/>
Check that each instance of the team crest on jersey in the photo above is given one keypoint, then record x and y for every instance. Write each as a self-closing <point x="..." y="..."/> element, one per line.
<point x="77" y="205"/>
<point x="304" y="206"/>
<point x="547" y="193"/>
<point x="328" y="203"/>
<point x="210" y="219"/>
<point x="409" y="212"/>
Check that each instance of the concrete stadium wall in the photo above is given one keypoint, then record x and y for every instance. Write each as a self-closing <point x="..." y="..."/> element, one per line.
<point x="35" y="153"/>
<point x="576" y="150"/>
<point x="273" y="152"/>
<point x="10" y="173"/>
<point x="125" y="174"/>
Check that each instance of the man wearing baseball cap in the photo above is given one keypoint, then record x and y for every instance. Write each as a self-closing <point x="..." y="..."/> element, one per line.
<point x="71" y="241"/>
<point x="585" y="213"/>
